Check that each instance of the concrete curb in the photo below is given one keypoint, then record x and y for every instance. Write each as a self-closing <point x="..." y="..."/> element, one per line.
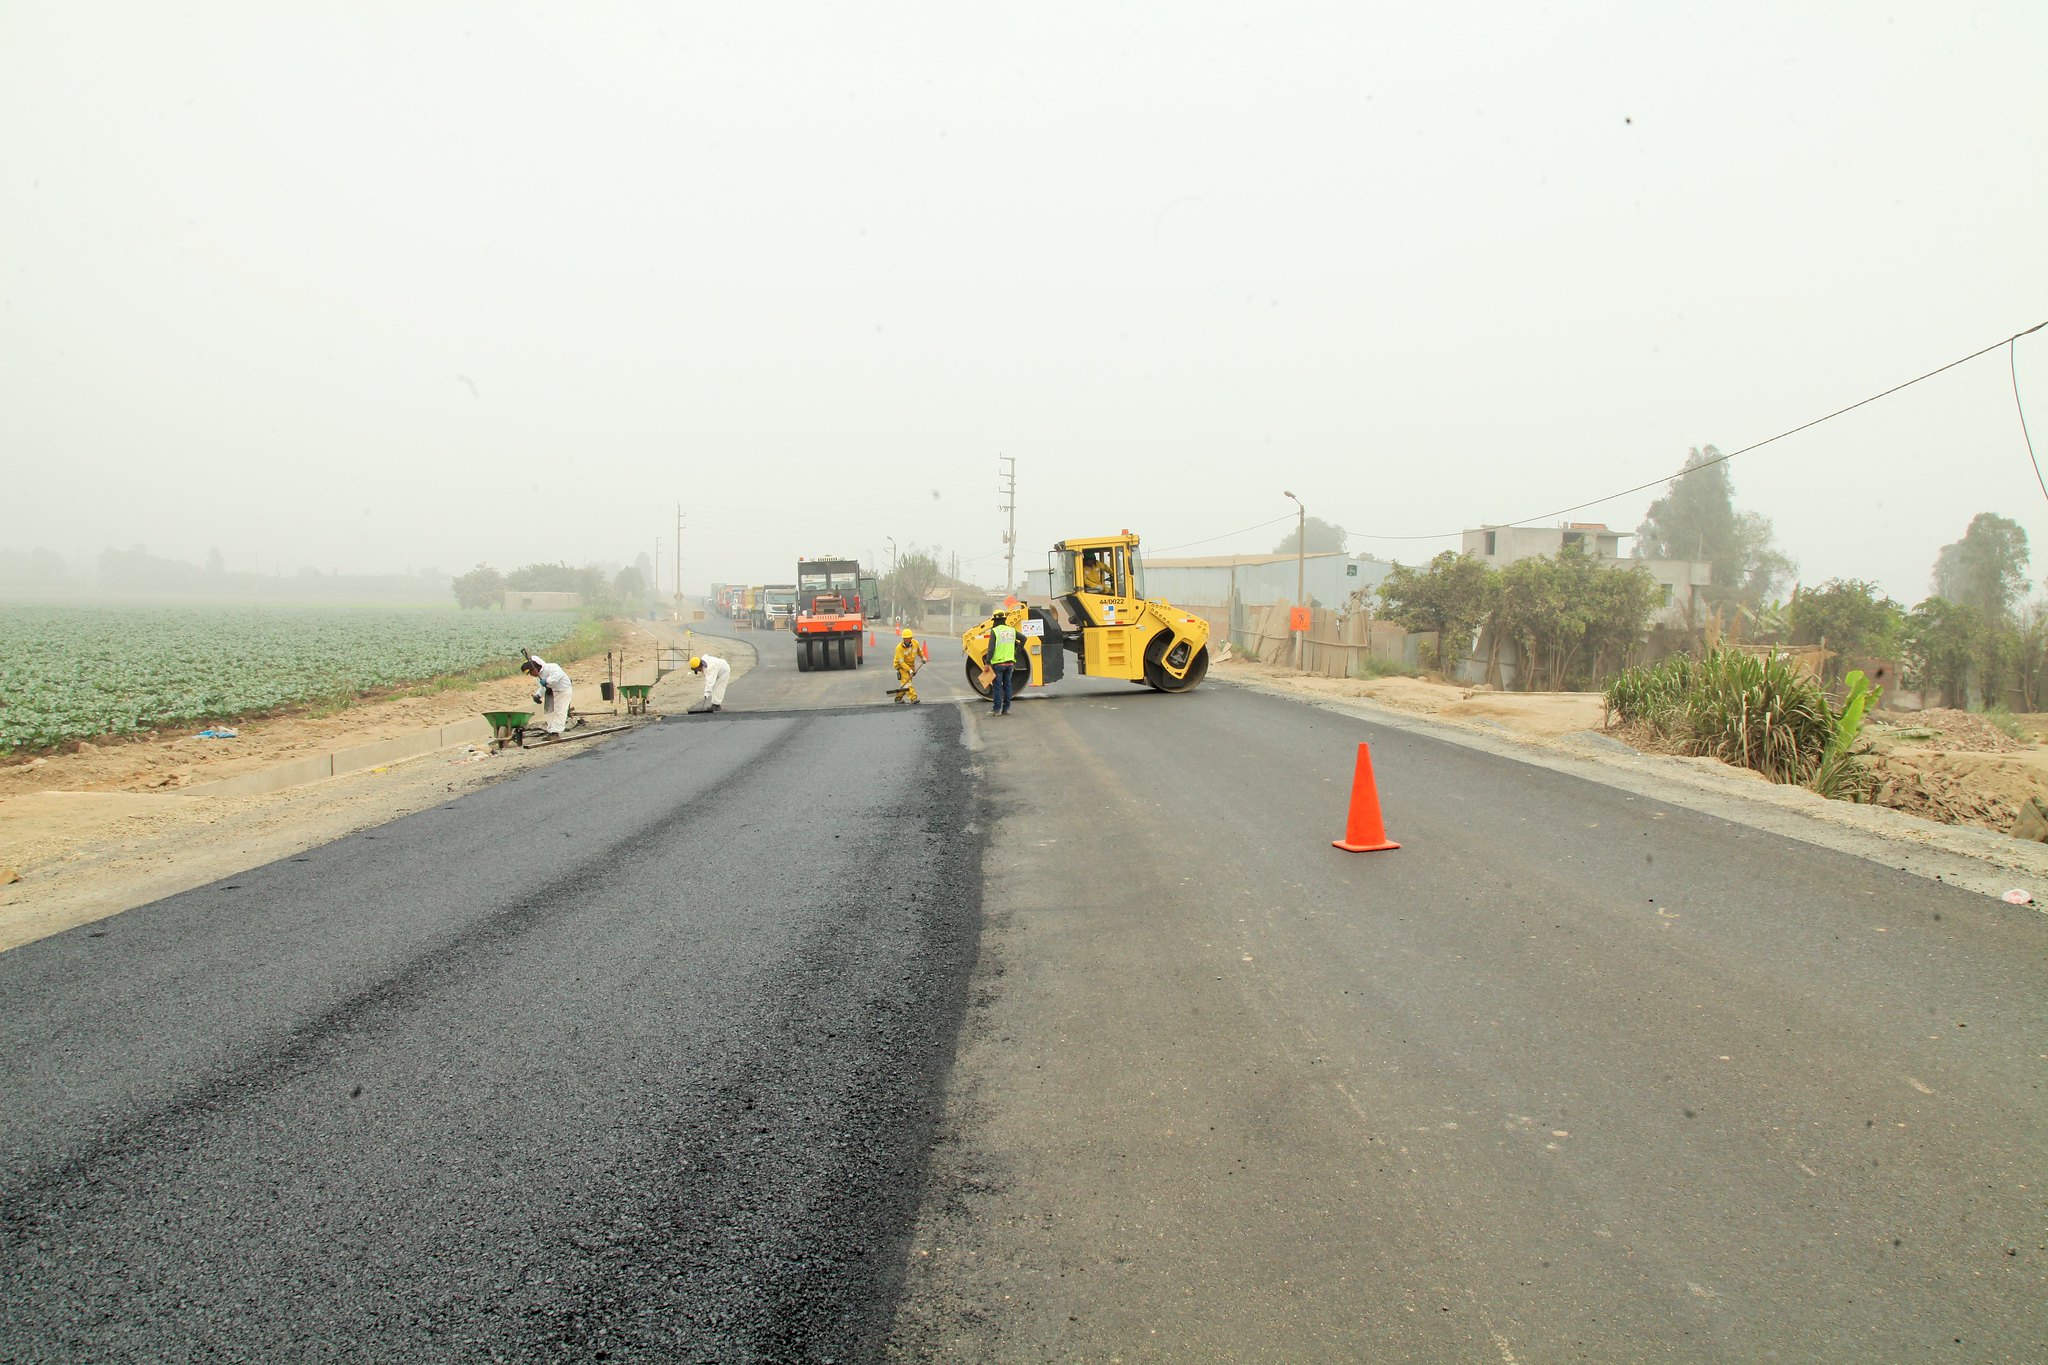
<point x="341" y="762"/>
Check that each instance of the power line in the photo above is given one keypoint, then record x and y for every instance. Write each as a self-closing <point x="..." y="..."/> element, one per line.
<point x="1722" y="459"/>
<point x="2013" y="368"/>
<point x="1162" y="549"/>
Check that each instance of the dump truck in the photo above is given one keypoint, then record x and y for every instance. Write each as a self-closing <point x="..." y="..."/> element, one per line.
<point x="830" y="625"/>
<point x="1112" y="628"/>
<point x="775" y="605"/>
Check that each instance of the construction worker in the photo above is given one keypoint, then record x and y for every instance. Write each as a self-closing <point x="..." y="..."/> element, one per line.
<point x="553" y="692"/>
<point x="716" y="673"/>
<point x="1002" y="658"/>
<point x="1094" y="574"/>
<point x="910" y="656"/>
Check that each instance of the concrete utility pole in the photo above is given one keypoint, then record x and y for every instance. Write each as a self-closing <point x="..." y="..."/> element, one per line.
<point x="1009" y="491"/>
<point x="1300" y="570"/>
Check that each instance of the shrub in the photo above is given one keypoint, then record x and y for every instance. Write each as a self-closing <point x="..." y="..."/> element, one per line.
<point x="1748" y="710"/>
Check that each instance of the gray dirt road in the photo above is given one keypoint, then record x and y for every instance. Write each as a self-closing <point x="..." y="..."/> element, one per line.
<point x="1572" y="1075"/>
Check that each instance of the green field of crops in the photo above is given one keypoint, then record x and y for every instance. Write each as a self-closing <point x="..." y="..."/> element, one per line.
<point x="78" y="672"/>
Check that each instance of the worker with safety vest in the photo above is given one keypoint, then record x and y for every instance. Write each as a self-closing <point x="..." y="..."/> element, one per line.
<point x="910" y="656"/>
<point x="1002" y="658"/>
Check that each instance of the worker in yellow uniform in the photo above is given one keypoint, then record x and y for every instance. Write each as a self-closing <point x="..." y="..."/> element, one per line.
<point x="1094" y="574"/>
<point x="910" y="656"/>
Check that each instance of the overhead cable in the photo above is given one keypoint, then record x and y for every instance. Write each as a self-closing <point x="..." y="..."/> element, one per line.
<point x="1723" y="459"/>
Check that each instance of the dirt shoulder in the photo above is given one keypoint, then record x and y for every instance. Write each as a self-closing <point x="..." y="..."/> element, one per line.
<point x="116" y="825"/>
<point x="1951" y="782"/>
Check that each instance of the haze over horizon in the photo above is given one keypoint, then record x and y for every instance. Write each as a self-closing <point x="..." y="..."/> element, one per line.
<point x="380" y="287"/>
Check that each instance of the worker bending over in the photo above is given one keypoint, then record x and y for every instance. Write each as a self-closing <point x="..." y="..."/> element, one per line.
<point x="716" y="672"/>
<point x="910" y="656"/>
<point x="553" y="692"/>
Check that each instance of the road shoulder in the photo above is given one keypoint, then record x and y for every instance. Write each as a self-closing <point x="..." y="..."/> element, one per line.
<point x="1955" y="855"/>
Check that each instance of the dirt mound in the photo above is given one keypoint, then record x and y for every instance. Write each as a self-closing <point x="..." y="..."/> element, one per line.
<point x="1960" y="787"/>
<point x="1942" y="728"/>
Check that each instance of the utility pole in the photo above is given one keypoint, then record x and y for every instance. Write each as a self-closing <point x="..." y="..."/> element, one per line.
<point x="1008" y="489"/>
<point x="1300" y="570"/>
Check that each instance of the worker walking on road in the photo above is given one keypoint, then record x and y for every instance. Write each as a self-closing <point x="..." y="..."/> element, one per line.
<point x="554" y="692"/>
<point x="716" y="673"/>
<point x="1002" y="657"/>
<point x="910" y="656"/>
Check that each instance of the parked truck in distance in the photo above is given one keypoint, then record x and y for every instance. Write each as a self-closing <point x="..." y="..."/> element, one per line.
<point x="776" y="607"/>
<point x="830" y="623"/>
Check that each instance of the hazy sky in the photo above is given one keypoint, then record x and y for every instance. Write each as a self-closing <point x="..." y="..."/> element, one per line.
<point x="383" y="286"/>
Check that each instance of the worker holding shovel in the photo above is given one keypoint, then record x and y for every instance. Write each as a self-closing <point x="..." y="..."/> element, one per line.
<point x="910" y="656"/>
<point x="716" y="672"/>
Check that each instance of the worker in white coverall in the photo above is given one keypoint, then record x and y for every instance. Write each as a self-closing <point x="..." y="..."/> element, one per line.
<point x="716" y="673"/>
<point x="554" y="691"/>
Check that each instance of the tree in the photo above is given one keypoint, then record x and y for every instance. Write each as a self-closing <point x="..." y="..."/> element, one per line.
<point x="1849" y="616"/>
<point x="629" y="588"/>
<point x="1696" y="519"/>
<point x="1451" y="597"/>
<point x="1985" y="570"/>
<point x="482" y="587"/>
<point x="915" y="574"/>
<point x="1622" y="602"/>
<point x="1320" y="535"/>
<point x="2030" y="665"/>
<point x="1942" y="646"/>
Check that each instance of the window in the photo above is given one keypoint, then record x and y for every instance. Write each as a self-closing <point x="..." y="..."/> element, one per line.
<point x="1574" y="537"/>
<point x="1667" y="594"/>
<point x="1492" y="544"/>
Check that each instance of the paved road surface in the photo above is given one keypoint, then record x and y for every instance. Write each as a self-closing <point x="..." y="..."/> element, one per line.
<point x="830" y="1029"/>
<point x="1572" y="1075"/>
<point x="630" y="1057"/>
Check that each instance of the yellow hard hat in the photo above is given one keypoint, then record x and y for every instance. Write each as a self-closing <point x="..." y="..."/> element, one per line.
<point x="907" y="635"/>
<point x="696" y="662"/>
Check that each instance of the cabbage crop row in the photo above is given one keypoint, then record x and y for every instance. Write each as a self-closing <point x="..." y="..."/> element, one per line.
<point x="82" y="672"/>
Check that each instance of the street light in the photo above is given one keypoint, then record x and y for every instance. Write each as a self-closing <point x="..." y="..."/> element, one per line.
<point x="1300" y="568"/>
<point x="893" y="586"/>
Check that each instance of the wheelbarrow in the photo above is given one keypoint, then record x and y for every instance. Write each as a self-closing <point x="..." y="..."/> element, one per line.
<point x="507" y="727"/>
<point x="636" y="697"/>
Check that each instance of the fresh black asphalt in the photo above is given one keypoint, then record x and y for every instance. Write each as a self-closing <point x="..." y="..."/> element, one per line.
<point x="631" y="1057"/>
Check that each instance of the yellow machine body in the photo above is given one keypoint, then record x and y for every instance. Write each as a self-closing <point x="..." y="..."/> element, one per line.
<point x="1113" y="628"/>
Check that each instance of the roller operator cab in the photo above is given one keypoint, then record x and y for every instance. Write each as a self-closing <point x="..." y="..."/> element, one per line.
<point x="1111" y="627"/>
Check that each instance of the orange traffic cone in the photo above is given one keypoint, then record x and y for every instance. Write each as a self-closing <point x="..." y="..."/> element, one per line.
<point x="871" y="637"/>
<point x="1363" y="830"/>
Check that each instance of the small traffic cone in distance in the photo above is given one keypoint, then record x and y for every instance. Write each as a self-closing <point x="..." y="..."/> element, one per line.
<point x="1364" y="832"/>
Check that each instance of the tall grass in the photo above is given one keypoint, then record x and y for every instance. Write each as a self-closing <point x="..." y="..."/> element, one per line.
<point x="1753" y="712"/>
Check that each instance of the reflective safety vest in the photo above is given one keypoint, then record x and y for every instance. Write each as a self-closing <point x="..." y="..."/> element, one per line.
<point x="1005" y="651"/>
